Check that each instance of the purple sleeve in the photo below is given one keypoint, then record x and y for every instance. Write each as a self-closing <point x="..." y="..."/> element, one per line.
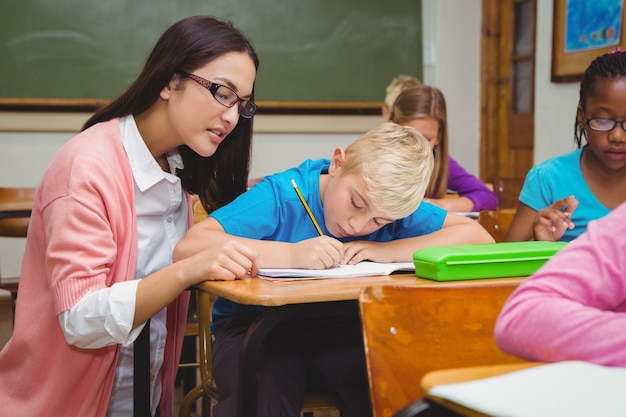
<point x="574" y="307"/>
<point x="467" y="185"/>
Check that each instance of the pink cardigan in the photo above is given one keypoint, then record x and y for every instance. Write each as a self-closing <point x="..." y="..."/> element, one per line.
<point x="82" y="236"/>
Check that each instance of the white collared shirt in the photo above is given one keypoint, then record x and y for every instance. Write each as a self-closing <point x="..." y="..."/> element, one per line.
<point x="106" y="316"/>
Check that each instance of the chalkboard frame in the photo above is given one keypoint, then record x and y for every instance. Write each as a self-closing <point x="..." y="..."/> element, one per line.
<point x="299" y="72"/>
<point x="264" y="107"/>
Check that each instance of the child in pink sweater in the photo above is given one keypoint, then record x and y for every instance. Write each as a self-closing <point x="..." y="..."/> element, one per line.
<point x="574" y="308"/>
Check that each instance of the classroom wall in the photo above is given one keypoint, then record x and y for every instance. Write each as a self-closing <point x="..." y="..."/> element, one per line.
<point x="281" y="141"/>
<point x="453" y="27"/>
<point x="555" y="104"/>
<point x="28" y="141"/>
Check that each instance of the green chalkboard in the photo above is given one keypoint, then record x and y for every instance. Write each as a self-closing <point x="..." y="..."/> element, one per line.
<point x="323" y="51"/>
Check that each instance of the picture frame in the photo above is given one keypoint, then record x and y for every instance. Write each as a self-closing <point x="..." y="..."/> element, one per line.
<point x="569" y="65"/>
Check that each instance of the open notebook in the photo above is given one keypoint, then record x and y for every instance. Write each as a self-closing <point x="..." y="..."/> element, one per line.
<point x="569" y="388"/>
<point x="342" y="271"/>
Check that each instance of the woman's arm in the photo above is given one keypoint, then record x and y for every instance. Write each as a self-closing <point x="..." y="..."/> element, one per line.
<point x="109" y="315"/>
<point x="317" y="253"/>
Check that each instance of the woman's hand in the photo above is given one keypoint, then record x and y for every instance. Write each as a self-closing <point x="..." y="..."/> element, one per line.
<point x="230" y="261"/>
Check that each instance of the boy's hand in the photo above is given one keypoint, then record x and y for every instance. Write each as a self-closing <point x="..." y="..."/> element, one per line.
<point x="320" y="252"/>
<point x="361" y="250"/>
<point x="551" y="223"/>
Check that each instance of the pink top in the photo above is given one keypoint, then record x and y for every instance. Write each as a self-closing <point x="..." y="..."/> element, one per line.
<point x="82" y="236"/>
<point x="574" y="308"/>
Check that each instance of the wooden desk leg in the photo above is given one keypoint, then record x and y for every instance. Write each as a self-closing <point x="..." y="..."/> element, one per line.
<point x="258" y="331"/>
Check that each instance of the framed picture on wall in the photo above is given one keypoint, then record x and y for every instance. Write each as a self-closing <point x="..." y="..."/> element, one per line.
<point x="582" y="31"/>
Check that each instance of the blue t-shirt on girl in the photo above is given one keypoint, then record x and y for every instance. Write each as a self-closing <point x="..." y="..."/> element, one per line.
<point x="271" y="210"/>
<point x="561" y="177"/>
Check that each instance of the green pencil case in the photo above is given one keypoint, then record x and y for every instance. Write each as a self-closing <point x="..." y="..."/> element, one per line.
<point x="489" y="260"/>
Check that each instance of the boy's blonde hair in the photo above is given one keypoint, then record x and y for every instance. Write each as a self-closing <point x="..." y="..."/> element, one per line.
<point x="396" y="163"/>
<point x="396" y="86"/>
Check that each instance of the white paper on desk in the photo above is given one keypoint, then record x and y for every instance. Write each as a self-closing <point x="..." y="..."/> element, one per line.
<point x="342" y="271"/>
<point x="569" y="389"/>
<point x="470" y="214"/>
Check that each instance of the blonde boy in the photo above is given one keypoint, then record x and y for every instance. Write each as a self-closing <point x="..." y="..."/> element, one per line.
<point x="368" y="203"/>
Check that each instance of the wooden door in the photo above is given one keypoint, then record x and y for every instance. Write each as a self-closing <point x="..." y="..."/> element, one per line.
<point x="507" y="88"/>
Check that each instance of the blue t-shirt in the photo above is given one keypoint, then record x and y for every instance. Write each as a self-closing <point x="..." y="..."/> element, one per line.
<point x="561" y="177"/>
<point x="271" y="210"/>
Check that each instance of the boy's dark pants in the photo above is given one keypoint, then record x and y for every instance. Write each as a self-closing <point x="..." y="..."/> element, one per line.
<point x="299" y="356"/>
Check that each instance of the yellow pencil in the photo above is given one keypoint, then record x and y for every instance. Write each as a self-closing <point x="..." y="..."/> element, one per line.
<point x="307" y="208"/>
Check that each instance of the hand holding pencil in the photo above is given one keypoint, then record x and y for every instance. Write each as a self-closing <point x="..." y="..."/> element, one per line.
<point x="321" y="251"/>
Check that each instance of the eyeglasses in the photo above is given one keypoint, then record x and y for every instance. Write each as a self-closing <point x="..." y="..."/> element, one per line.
<point x="225" y="95"/>
<point x="604" y="125"/>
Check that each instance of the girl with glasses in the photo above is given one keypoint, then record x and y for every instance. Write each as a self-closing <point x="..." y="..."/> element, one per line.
<point x="109" y="211"/>
<point x="561" y="195"/>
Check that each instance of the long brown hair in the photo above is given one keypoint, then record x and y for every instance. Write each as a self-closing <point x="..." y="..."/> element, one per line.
<point x="426" y="102"/>
<point x="185" y="46"/>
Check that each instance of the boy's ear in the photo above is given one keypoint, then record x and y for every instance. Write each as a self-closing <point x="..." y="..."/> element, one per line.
<point x="335" y="163"/>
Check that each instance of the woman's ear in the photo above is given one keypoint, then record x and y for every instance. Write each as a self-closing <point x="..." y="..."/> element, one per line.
<point x="335" y="163"/>
<point x="171" y="86"/>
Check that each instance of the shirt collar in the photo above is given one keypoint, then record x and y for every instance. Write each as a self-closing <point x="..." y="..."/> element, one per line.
<point x="146" y="170"/>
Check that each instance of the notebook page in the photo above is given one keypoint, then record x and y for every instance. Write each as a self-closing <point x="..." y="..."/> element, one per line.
<point x="341" y="271"/>
<point x="569" y="388"/>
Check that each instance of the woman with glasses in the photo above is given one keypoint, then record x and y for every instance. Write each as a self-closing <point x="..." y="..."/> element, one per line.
<point x="97" y="275"/>
<point x="561" y="195"/>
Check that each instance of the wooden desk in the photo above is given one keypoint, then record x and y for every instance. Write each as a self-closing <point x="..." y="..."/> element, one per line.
<point x="290" y="299"/>
<point x="11" y="209"/>
<point x="449" y="376"/>
<point x="257" y="291"/>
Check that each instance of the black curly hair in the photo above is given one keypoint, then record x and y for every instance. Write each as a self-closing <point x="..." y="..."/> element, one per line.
<point x="609" y="65"/>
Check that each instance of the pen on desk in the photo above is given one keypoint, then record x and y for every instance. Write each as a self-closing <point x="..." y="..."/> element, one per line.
<point x="307" y="208"/>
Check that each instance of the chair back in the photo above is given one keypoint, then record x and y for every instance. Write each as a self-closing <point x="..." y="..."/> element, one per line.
<point x="15" y="226"/>
<point x="507" y="189"/>
<point x="412" y="330"/>
<point x="496" y="222"/>
<point x="199" y="213"/>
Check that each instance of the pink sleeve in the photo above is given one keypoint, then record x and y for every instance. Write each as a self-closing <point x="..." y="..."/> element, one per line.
<point x="574" y="308"/>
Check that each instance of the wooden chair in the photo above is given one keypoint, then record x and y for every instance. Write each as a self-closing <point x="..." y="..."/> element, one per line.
<point x="14" y="228"/>
<point x="496" y="222"/>
<point x="411" y="330"/>
<point x="507" y="190"/>
<point x="207" y="390"/>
